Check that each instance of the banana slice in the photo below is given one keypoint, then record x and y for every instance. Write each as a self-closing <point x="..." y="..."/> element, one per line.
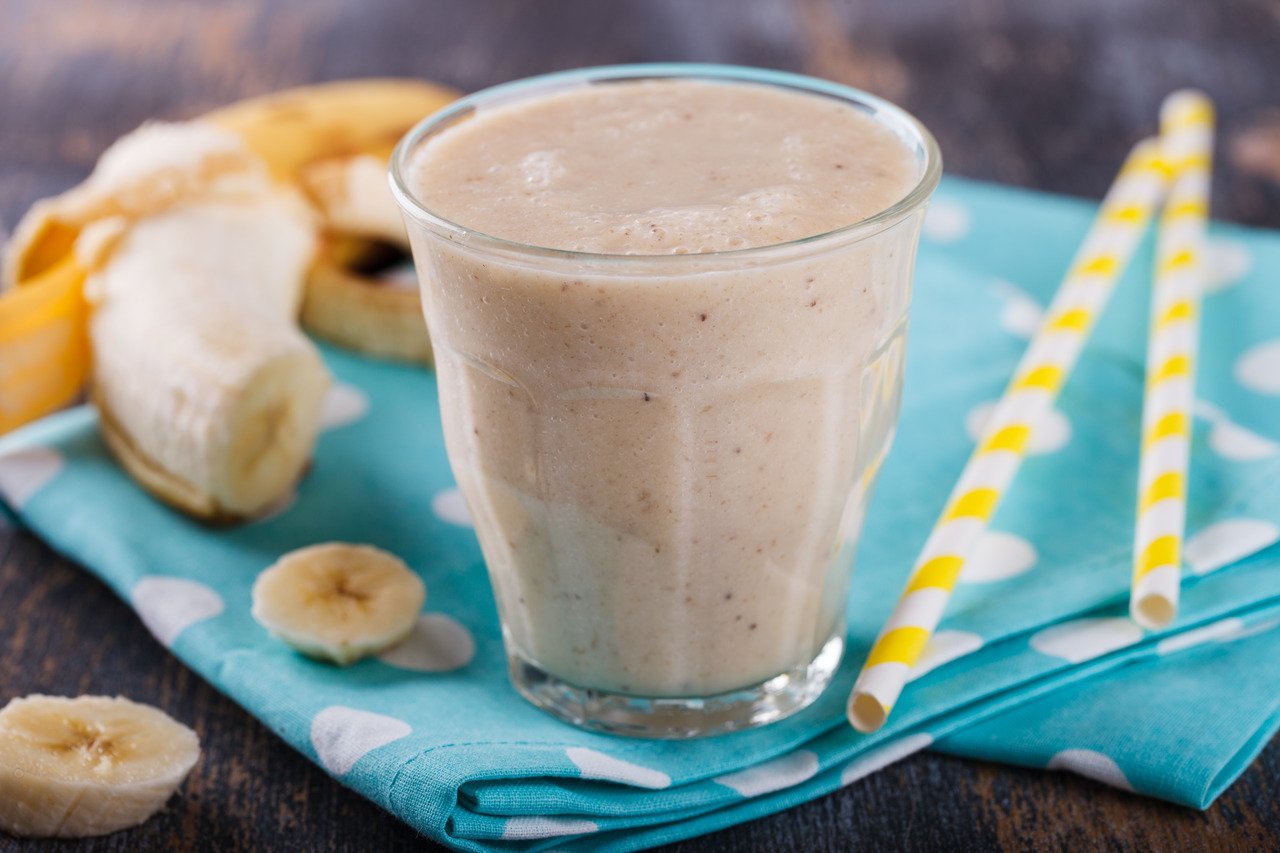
<point x="87" y="766"/>
<point x="338" y="602"/>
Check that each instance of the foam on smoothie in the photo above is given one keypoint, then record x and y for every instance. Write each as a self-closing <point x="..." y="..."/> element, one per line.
<point x="663" y="167"/>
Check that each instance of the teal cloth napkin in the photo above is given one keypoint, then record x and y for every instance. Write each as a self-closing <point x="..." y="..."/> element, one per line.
<point x="1035" y="663"/>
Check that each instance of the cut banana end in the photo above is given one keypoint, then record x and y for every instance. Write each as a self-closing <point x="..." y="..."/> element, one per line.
<point x="273" y="428"/>
<point x="261" y="451"/>
<point x="87" y="766"/>
<point x="338" y="602"/>
<point x="363" y="295"/>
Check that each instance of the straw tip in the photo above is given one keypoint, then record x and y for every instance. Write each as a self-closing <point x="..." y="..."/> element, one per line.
<point x="866" y="713"/>
<point x="1186" y="106"/>
<point x="1153" y="612"/>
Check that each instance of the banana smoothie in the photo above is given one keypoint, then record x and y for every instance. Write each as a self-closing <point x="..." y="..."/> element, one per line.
<point x="665" y="431"/>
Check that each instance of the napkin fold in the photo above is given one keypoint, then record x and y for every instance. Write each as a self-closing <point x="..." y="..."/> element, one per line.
<point x="1035" y="663"/>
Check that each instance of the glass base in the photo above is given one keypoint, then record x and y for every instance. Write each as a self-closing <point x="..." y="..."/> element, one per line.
<point x="678" y="718"/>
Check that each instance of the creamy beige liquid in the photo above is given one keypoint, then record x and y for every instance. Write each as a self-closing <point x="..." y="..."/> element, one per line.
<point x="667" y="461"/>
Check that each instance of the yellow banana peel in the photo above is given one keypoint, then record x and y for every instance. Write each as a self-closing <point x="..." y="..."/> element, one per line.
<point x="296" y="127"/>
<point x="44" y="347"/>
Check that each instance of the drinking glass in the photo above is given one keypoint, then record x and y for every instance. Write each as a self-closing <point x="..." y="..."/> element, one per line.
<point x="668" y="457"/>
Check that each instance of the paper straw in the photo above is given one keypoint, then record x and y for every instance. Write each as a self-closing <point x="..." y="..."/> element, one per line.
<point x="1092" y="276"/>
<point x="1186" y="140"/>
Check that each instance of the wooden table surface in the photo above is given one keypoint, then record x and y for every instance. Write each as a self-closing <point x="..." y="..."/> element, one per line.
<point x="1037" y="94"/>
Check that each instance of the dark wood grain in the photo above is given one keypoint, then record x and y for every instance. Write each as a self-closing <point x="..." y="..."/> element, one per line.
<point x="1037" y="94"/>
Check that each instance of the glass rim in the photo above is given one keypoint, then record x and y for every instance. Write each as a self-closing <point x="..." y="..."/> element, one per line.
<point x="509" y="92"/>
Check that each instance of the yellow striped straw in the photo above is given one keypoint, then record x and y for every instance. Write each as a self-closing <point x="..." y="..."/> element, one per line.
<point x="1186" y="140"/>
<point x="1112" y="238"/>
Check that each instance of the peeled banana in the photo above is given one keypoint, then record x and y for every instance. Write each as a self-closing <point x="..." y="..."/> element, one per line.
<point x="338" y="602"/>
<point x="44" y="353"/>
<point x="195" y="257"/>
<point x="87" y="766"/>
<point x="209" y="394"/>
<point x="331" y="141"/>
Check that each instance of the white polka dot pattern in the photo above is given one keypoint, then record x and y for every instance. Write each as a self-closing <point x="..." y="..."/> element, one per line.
<point x="775" y="775"/>
<point x="341" y="736"/>
<point x="1213" y="632"/>
<point x="533" y="827"/>
<point x="946" y="220"/>
<point x="1258" y="370"/>
<point x="1225" y="263"/>
<point x="439" y="643"/>
<point x="451" y="507"/>
<point x="1224" y="542"/>
<point x="942" y="648"/>
<point x="1084" y="639"/>
<point x="596" y="765"/>
<point x="343" y="405"/>
<point x="168" y="605"/>
<point x="25" y="472"/>
<point x="999" y="556"/>
<point x="882" y="756"/>
<point x="1091" y="764"/>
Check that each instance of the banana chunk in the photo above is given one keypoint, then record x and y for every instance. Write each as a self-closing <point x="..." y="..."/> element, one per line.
<point x="87" y="766"/>
<point x="195" y="258"/>
<point x="208" y="393"/>
<point x="338" y="602"/>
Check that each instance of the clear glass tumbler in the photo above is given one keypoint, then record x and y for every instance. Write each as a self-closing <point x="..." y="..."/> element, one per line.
<point x="668" y="457"/>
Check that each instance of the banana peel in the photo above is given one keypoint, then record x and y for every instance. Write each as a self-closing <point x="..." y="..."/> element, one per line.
<point x="44" y="345"/>
<point x="294" y="128"/>
<point x="307" y="136"/>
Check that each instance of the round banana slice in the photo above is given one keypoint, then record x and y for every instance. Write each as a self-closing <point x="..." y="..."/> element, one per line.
<point x="363" y="295"/>
<point x="87" y="766"/>
<point x="338" y="602"/>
